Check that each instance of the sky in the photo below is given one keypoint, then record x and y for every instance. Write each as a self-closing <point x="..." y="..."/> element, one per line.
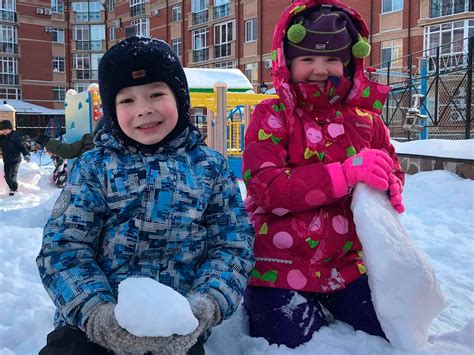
<point x="438" y="218"/>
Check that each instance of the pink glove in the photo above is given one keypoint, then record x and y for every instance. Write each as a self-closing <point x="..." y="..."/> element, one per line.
<point x="372" y="167"/>
<point x="395" y="191"/>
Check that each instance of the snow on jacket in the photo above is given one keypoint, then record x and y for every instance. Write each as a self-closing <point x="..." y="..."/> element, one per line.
<point x="175" y="216"/>
<point x="305" y="234"/>
<point x="12" y="146"/>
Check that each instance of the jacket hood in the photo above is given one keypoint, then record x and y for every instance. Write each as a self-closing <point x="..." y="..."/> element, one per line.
<point x="364" y="92"/>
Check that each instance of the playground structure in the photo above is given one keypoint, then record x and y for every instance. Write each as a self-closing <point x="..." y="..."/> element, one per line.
<point x="226" y="94"/>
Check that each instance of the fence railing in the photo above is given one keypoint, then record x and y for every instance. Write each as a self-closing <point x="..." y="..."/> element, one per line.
<point x="445" y="82"/>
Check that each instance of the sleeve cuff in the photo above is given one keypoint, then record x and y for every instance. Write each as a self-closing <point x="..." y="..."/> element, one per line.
<point x="338" y="181"/>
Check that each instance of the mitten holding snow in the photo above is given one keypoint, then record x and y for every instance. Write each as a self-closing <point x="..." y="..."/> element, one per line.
<point x="395" y="193"/>
<point x="207" y="310"/>
<point x="102" y="328"/>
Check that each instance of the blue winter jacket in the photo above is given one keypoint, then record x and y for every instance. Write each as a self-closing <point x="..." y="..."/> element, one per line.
<point x="175" y="216"/>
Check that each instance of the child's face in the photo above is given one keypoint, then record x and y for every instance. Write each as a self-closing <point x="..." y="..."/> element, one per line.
<point x="147" y="113"/>
<point x="315" y="69"/>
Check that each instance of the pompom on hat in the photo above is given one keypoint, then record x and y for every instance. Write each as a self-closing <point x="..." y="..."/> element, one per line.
<point x="325" y="31"/>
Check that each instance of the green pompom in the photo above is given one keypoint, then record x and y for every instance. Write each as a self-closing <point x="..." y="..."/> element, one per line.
<point x="296" y="33"/>
<point x="361" y="49"/>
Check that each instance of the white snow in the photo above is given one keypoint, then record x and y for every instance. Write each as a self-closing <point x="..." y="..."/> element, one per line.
<point x="443" y="148"/>
<point x="205" y="78"/>
<point x="439" y="218"/>
<point x="404" y="288"/>
<point x="146" y="307"/>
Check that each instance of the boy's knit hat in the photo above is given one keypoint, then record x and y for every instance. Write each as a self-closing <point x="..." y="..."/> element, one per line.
<point x="325" y="31"/>
<point x="6" y="124"/>
<point x="139" y="61"/>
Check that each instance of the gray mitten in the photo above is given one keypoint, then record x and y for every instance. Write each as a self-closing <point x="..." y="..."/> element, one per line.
<point x="102" y="328"/>
<point x="27" y="158"/>
<point x="207" y="310"/>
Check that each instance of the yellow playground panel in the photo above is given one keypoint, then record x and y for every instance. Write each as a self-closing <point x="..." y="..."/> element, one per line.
<point x="221" y="91"/>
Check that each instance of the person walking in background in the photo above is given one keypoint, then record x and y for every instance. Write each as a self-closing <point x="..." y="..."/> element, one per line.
<point x="304" y="153"/>
<point x="150" y="200"/>
<point x="12" y="149"/>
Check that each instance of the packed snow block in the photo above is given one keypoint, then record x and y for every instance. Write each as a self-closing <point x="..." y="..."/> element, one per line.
<point x="404" y="289"/>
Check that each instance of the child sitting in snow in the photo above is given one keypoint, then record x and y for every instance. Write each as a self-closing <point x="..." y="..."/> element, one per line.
<point x="149" y="200"/>
<point x="304" y="153"/>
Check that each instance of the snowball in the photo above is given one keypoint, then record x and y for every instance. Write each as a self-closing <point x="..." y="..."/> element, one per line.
<point x="148" y="308"/>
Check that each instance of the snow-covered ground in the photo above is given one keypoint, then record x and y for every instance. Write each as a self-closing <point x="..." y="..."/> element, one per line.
<point x="439" y="217"/>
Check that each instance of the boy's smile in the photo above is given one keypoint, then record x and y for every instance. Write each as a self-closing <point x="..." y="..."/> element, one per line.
<point x="147" y="113"/>
<point x="315" y="69"/>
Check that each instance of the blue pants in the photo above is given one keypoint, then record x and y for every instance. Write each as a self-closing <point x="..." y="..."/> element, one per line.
<point x="291" y="317"/>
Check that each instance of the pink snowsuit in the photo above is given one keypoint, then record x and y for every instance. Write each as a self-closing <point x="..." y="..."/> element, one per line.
<point x="305" y="234"/>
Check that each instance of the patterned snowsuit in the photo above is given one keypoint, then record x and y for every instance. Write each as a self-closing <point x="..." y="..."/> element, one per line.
<point x="175" y="216"/>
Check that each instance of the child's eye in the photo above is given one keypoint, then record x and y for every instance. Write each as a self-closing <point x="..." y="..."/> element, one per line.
<point x="333" y="59"/>
<point x="125" y="101"/>
<point x="156" y="94"/>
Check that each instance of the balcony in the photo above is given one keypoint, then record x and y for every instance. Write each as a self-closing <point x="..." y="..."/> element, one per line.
<point x="85" y="74"/>
<point x="8" y="16"/>
<point x="222" y="11"/>
<point x="200" y="55"/>
<point x="89" y="45"/>
<point x="138" y="10"/>
<point x="200" y="17"/>
<point x="9" y="79"/>
<point x="11" y="48"/>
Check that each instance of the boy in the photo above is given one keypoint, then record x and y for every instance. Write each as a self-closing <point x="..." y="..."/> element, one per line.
<point x="149" y="200"/>
<point x="304" y="152"/>
<point x="12" y="146"/>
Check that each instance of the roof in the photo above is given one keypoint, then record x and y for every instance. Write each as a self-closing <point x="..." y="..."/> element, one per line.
<point x="203" y="79"/>
<point x="25" y="108"/>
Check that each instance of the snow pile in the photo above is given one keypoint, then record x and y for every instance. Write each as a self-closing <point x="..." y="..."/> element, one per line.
<point x="404" y="289"/>
<point x="148" y="308"/>
<point x="443" y="148"/>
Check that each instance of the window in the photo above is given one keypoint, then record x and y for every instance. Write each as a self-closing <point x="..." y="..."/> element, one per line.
<point x="112" y="33"/>
<point x="221" y="8"/>
<point x="251" y="72"/>
<point x="200" y="11"/>
<point x="251" y="30"/>
<point x="451" y="38"/>
<point x="8" y="71"/>
<point x="200" y="49"/>
<point x="8" y="5"/>
<point x="58" y="35"/>
<point x="58" y="64"/>
<point x="392" y="5"/>
<point x="448" y="7"/>
<point x="137" y="8"/>
<point x="230" y="64"/>
<point x="8" y="39"/>
<point x="87" y="11"/>
<point x="81" y="61"/>
<point x="110" y="5"/>
<point x="10" y="93"/>
<point x="142" y="26"/>
<point x="200" y="38"/>
<point x="57" y="6"/>
<point x="80" y="87"/>
<point x="392" y="52"/>
<point x="177" y="45"/>
<point x="223" y="36"/>
<point x="59" y="93"/>
<point x="176" y="14"/>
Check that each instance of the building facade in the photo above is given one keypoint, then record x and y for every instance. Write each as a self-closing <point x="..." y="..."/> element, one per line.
<point x="48" y="47"/>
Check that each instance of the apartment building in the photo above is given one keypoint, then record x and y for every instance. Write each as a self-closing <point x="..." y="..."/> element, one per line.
<point x="48" y="47"/>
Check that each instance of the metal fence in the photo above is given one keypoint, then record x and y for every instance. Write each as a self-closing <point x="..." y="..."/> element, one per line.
<point x="443" y="81"/>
